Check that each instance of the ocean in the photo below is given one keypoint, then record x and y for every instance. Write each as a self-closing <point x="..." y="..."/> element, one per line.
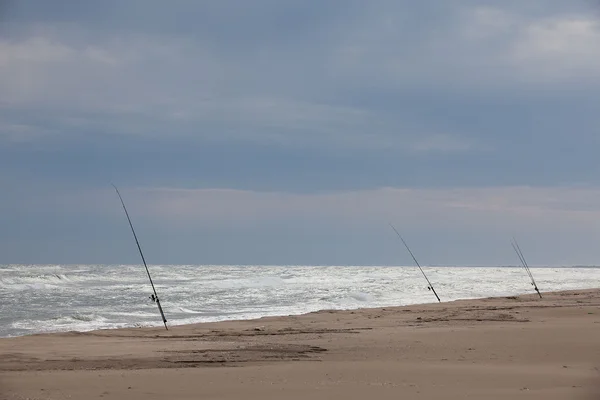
<point x="52" y="298"/>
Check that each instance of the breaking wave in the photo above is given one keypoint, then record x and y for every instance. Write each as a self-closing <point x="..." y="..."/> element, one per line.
<point x="50" y="298"/>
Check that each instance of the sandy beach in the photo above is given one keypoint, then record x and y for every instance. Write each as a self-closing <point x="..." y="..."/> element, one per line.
<point x="512" y="347"/>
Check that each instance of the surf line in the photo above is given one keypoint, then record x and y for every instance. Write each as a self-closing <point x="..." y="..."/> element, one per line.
<point x="162" y="314"/>
<point x="430" y="287"/>
<point x="517" y="250"/>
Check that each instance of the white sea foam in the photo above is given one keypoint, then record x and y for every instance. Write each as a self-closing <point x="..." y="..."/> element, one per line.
<point x="47" y="298"/>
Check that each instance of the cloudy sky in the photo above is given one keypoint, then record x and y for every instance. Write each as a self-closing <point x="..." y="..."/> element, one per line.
<point x="293" y="131"/>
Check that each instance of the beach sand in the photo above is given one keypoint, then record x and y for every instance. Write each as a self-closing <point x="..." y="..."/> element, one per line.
<point x="499" y="348"/>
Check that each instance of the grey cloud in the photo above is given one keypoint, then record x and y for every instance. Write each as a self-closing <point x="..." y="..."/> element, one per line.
<point x="514" y="207"/>
<point x="281" y="72"/>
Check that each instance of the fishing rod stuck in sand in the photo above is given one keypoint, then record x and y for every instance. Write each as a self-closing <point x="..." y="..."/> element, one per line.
<point x="517" y="249"/>
<point x="416" y="262"/>
<point x="154" y="297"/>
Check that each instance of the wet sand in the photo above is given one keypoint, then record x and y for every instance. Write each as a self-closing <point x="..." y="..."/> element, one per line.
<point x="511" y="347"/>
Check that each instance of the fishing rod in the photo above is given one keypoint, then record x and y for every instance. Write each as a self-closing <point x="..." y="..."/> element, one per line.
<point x="522" y="257"/>
<point x="517" y="249"/>
<point x="430" y="287"/>
<point x="524" y="263"/>
<point x="155" y="298"/>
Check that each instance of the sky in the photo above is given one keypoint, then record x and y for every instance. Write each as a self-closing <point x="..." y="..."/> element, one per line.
<point x="292" y="132"/>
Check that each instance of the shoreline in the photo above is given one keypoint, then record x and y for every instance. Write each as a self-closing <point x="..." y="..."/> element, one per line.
<point x="329" y="310"/>
<point x="160" y="326"/>
<point x="495" y="347"/>
<point x="45" y="300"/>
